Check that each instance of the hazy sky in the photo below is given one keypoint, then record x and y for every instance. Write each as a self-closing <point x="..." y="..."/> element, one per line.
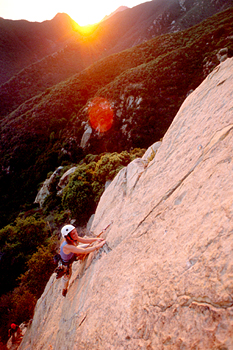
<point x="82" y="11"/>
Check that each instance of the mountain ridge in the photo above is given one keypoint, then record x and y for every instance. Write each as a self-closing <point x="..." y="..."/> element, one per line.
<point x="24" y="42"/>
<point x="119" y="32"/>
<point x="119" y="9"/>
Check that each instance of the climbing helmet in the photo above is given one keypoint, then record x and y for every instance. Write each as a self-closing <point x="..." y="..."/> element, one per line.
<point x="66" y="230"/>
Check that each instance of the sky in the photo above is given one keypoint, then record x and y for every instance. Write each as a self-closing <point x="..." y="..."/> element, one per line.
<point x="82" y="11"/>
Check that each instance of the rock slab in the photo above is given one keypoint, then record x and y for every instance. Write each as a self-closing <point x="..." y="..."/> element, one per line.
<point x="165" y="279"/>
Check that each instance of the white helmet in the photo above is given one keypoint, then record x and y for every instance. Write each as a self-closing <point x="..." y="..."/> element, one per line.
<point x="66" y="230"/>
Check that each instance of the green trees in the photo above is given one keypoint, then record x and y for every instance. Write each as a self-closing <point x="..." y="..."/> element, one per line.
<point x="26" y="256"/>
<point x="18" y="242"/>
<point x="39" y="269"/>
<point x="18" y="306"/>
<point x="78" y="194"/>
<point x="86" y="185"/>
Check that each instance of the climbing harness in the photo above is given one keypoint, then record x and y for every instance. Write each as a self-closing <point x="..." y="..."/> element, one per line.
<point x="62" y="267"/>
<point x="60" y="270"/>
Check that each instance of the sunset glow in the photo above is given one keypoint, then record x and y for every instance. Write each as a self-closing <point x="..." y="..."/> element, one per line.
<point x="83" y="12"/>
<point x="86" y="30"/>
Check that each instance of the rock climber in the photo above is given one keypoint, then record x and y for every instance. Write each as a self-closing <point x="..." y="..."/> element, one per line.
<point x="14" y="331"/>
<point x="70" y="251"/>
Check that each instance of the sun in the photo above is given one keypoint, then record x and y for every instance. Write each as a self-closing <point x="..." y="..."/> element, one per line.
<point x="86" y="12"/>
<point x="85" y="20"/>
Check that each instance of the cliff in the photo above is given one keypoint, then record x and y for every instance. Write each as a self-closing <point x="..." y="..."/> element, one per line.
<point x="164" y="280"/>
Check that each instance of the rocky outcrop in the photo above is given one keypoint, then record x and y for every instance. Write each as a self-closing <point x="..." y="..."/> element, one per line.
<point x="151" y="151"/>
<point x="86" y="136"/>
<point x="45" y="189"/>
<point x="222" y="54"/>
<point x="164" y="280"/>
<point x="64" y="180"/>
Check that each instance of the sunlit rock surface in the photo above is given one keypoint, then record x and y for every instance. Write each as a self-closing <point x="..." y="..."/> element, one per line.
<point x="165" y="278"/>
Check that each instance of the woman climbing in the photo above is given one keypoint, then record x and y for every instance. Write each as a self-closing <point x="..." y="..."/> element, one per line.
<point x="70" y="251"/>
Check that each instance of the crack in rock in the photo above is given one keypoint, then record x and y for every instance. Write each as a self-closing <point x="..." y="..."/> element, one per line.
<point x="218" y="136"/>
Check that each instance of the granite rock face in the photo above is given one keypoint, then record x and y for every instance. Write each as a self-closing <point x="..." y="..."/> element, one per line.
<point x="165" y="278"/>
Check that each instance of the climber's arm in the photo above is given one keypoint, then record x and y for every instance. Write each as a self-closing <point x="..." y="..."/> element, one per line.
<point x="89" y="239"/>
<point x="77" y="250"/>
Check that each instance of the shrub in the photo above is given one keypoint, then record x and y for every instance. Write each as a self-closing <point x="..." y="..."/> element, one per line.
<point x="18" y="305"/>
<point x="40" y="268"/>
<point x="87" y="184"/>
<point x="110" y="164"/>
<point x="18" y="243"/>
<point x="23" y="304"/>
<point x="78" y="194"/>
